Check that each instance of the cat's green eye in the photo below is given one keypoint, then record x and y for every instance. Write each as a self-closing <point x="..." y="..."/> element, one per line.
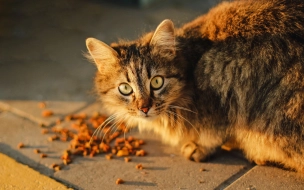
<point x="125" y="89"/>
<point x="157" y="82"/>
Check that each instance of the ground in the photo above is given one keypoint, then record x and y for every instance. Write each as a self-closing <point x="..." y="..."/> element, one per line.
<point x="41" y="60"/>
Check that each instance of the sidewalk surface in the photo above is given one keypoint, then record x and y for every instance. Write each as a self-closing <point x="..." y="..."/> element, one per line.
<point x="41" y="45"/>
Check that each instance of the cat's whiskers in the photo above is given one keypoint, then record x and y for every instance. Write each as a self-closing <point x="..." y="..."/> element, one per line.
<point x="160" y="108"/>
<point x="110" y="129"/>
<point x="114" y="125"/>
<point x="106" y="124"/>
<point x="182" y="108"/>
<point x="99" y="129"/>
<point x="101" y="126"/>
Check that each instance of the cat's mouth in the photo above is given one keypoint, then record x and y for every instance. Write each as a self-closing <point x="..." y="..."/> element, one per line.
<point x="148" y="116"/>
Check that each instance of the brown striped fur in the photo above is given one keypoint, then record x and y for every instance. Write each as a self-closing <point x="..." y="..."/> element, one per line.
<point x="236" y="72"/>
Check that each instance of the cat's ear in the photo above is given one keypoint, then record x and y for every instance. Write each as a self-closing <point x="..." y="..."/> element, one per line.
<point x="102" y="54"/>
<point x="163" y="40"/>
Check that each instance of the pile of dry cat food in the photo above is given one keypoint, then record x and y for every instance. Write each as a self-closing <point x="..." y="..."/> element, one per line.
<point x="83" y="141"/>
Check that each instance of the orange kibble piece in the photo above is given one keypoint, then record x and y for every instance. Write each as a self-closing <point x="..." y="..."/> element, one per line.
<point x="68" y="118"/>
<point x="92" y="153"/>
<point x="122" y="126"/>
<point x="114" y="151"/>
<point x="119" y="181"/>
<point x="95" y="124"/>
<point x="128" y="145"/>
<point x="44" y="131"/>
<point x="95" y="147"/>
<point x="53" y="166"/>
<point x="135" y="144"/>
<point x="66" y="161"/>
<point x="87" y="145"/>
<point x="123" y="152"/>
<point x="140" y="153"/>
<point x="104" y="147"/>
<point x="57" y="168"/>
<point x="127" y="159"/>
<point x="85" y="152"/>
<point x="101" y="119"/>
<point x="139" y="166"/>
<point x="43" y="155"/>
<point x="20" y="145"/>
<point x="119" y="140"/>
<point x="109" y="156"/>
<point x="47" y="113"/>
<point x="52" y="138"/>
<point x="37" y="151"/>
<point x="115" y="135"/>
<point x="130" y="139"/>
<point x="141" y="142"/>
<point x="79" y="116"/>
<point x="66" y="154"/>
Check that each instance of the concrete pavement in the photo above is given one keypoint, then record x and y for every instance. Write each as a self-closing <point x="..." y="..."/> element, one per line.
<point x="41" y="45"/>
<point x="164" y="168"/>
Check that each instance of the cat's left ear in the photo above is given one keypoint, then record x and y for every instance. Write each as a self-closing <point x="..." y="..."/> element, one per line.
<point x="103" y="55"/>
<point x="163" y="40"/>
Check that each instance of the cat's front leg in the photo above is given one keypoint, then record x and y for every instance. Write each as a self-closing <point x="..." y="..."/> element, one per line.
<point x="195" y="152"/>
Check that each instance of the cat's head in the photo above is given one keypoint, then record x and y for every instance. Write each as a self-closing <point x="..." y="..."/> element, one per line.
<point x="142" y="79"/>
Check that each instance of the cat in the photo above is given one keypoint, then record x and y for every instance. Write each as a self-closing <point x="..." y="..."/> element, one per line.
<point x="236" y="72"/>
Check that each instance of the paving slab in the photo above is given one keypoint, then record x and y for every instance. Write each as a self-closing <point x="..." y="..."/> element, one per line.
<point x="15" y="176"/>
<point x="263" y="177"/>
<point x="32" y="111"/>
<point x="164" y="167"/>
<point x="15" y="130"/>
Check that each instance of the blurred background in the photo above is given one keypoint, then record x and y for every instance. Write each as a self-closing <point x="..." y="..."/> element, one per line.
<point x="42" y="42"/>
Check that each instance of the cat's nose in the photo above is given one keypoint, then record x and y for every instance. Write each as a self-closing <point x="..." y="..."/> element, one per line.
<point x="144" y="105"/>
<point x="144" y="109"/>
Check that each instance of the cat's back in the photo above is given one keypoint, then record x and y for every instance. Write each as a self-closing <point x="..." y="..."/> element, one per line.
<point x="256" y="59"/>
<point x="250" y="18"/>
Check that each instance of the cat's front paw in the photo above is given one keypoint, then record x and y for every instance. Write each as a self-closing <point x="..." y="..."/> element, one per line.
<point x="193" y="152"/>
<point x="260" y="162"/>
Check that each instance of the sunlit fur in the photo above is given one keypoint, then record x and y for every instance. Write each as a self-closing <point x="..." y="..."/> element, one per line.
<point x="235" y="73"/>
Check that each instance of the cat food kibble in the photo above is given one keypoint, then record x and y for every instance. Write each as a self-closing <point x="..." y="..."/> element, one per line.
<point x="44" y="131"/>
<point x="139" y="166"/>
<point x="52" y="138"/>
<point x="123" y="152"/>
<point x="84" y="143"/>
<point x="53" y="166"/>
<point x="109" y="156"/>
<point x="20" y="145"/>
<point x="43" y="155"/>
<point x="47" y="113"/>
<point x="57" y="168"/>
<point x="140" y="153"/>
<point x="37" y="151"/>
<point x="119" y="181"/>
<point x="127" y="159"/>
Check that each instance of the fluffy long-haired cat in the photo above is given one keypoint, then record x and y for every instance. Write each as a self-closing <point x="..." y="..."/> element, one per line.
<point x="235" y="73"/>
